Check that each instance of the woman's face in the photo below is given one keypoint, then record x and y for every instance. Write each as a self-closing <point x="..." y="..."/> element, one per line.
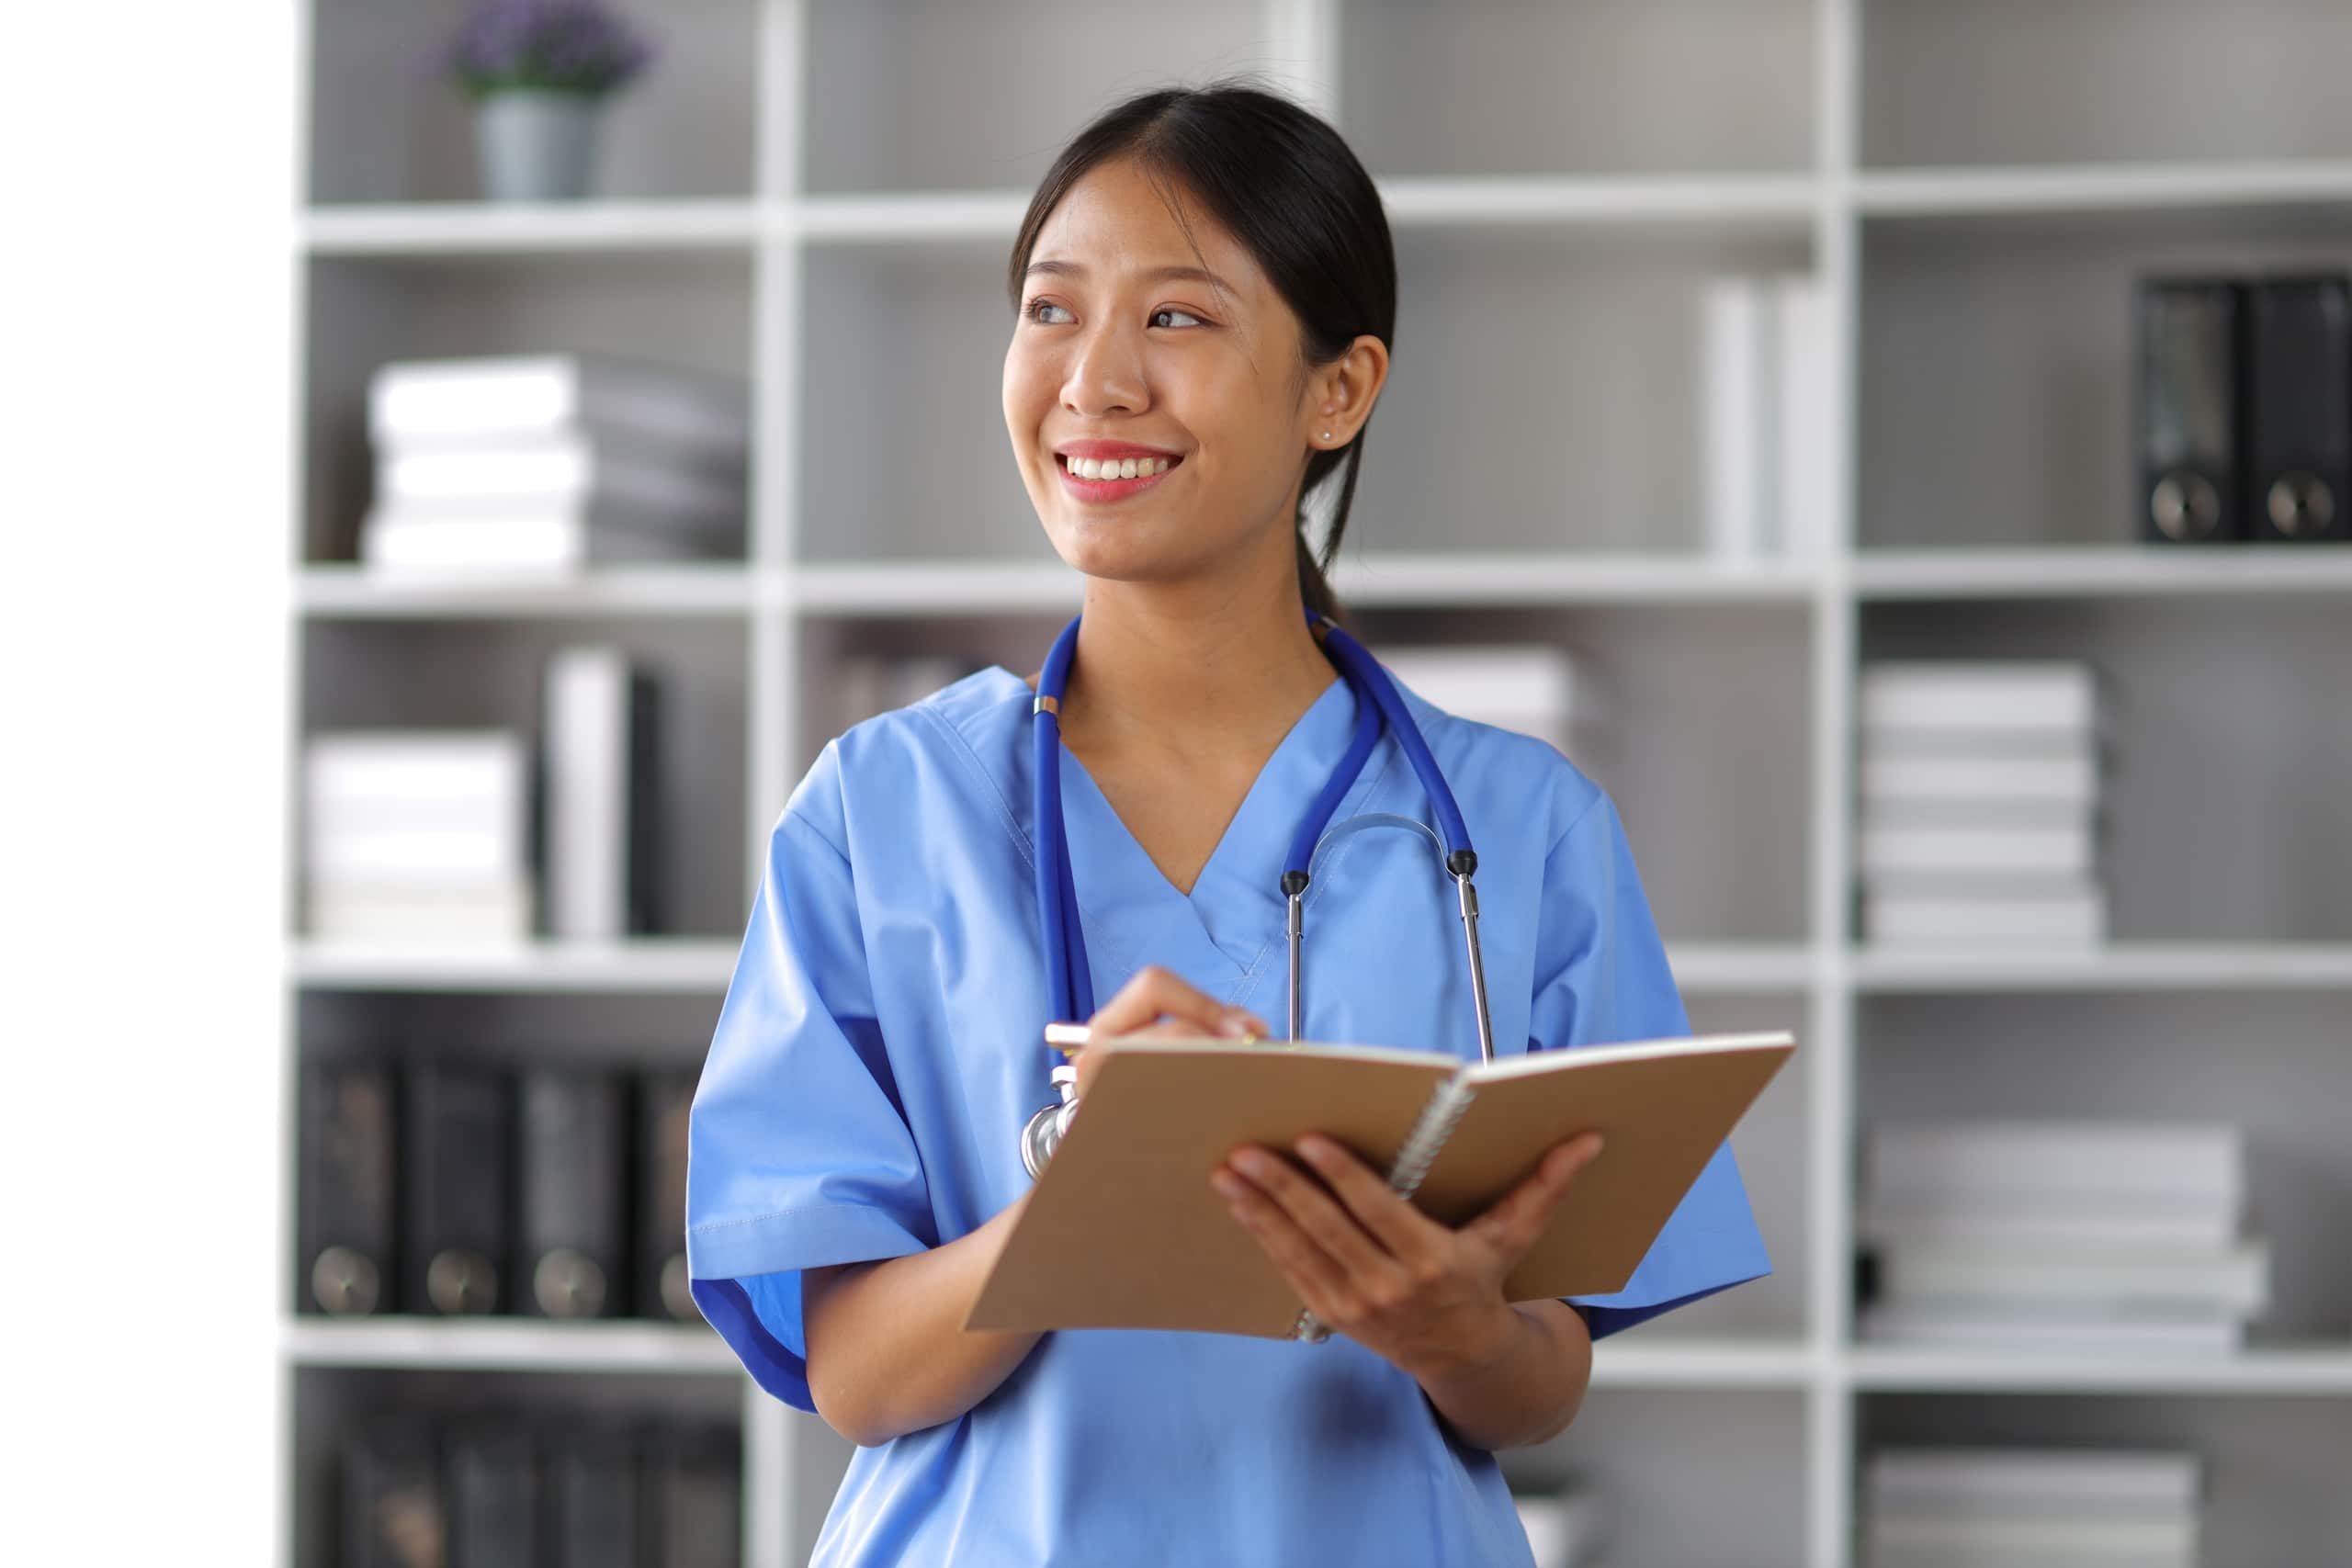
<point x="1123" y="350"/>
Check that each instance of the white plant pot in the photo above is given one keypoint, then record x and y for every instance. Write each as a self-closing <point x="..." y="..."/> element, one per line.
<point x="535" y="145"/>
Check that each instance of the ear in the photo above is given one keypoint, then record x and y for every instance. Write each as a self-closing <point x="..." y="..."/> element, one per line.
<point x="1339" y="395"/>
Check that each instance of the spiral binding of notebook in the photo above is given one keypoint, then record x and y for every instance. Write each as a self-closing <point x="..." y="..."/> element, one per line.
<point x="1437" y="1121"/>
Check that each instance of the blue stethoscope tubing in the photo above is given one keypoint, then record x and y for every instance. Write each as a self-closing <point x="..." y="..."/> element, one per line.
<point x="1069" y="984"/>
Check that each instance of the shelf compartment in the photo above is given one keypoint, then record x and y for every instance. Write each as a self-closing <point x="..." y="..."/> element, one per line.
<point x="2273" y="1469"/>
<point x="487" y="674"/>
<point x="2277" y="1064"/>
<point x="2227" y="751"/>
<point x="691" y="309"/>
<point x="2089" y="80"/>
<point x="1997" y="359"/>
<point x="387" y="123"/>
<point x="1573" y="88"/>
<point x="1545" y="392"/>
<point x="1646" y="1453"/>
<point x="933" y="94"/>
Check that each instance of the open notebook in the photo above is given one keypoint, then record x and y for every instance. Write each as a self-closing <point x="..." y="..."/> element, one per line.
<point x="1123" y="1230"/>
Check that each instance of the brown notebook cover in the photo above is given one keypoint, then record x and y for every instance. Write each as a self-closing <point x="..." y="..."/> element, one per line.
<point x="1124" y="1230"/>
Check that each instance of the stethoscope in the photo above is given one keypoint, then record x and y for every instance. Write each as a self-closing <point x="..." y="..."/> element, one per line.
<point x="1070" y="983"/>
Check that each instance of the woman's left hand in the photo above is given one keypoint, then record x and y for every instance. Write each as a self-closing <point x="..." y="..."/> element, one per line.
<point x="1374" y="1267"/>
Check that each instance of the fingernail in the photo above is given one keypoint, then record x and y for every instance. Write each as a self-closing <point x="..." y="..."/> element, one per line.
<point x="1237" y="1026"/>
<point x="1315" y="1149"/>
<point x="1226" y="1184"/>
<point x="1250" y="1162"/>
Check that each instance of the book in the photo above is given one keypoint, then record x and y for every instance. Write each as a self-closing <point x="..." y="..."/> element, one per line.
<point x="2035" y="851"/>
<point x="600" y="739"/>
<point x="1124" y="1230"/>
<point x="564" y="468"/>
<point x="548" y="535"/>
<point x="2054" y="696"/>
<point x="2147" y="1541"/>
<point x="2047" y="1218"/>
<point x="2035" y="1161"/>
<point x="421" y="401"/>
<point x="1993" y="915"/>
<point x="1806" y="463"/>
<point x="1739" y="485"/>
<point x="2052" y="1330"/>
<point x="2066" y="775"/>
<point x="1951" y="1480"/>
<point x="2234" y="1278"/>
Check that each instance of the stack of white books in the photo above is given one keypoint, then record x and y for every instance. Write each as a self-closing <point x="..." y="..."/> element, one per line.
<point x="2030" y="1508"/>
<point x="1980" y="802"/>
<point x="1534" y="688"/>
<point x="1766" y="461"/>
<point x="600" y="744"/>
<point x="1564" y="1526"/>
<point x="2103" y="1237"/>
<point x="549" y="463"/>
<point x="418" y="835"/>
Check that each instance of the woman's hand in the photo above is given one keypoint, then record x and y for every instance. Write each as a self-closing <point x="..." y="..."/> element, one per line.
<point x="1366" y="1261"/>
<point x="1155" y="1003"/>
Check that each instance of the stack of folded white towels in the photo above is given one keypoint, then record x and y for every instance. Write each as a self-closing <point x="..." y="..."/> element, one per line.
<point x="549" y="463"/>
<point x="1979" y="803"/>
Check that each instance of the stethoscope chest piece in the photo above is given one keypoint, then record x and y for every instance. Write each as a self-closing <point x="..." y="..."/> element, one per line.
<point x="1045" y="1131"/>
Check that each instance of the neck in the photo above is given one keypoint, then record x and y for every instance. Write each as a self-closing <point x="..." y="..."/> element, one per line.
<point x="1192" y="667"/>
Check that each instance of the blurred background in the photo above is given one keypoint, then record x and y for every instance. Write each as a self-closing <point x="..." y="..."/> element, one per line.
<point x="1900" y="448"/>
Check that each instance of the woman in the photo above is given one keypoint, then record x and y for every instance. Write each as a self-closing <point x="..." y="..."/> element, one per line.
<point x="1206" y="289"/>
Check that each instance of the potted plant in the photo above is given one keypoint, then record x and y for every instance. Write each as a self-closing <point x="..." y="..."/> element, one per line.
<point x="539" y="71"/>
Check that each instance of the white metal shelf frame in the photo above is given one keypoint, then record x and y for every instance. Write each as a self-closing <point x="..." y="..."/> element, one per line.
<point x="776" y="224"/>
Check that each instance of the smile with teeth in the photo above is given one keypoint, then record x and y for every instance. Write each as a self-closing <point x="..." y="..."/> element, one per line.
<point x="1115" y="467"/>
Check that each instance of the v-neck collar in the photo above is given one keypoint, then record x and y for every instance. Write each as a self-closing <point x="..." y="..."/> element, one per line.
<point x="1232" y="922"/>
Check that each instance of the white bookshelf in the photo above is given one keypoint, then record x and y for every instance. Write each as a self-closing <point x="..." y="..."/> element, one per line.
<point x="819" y="195"/>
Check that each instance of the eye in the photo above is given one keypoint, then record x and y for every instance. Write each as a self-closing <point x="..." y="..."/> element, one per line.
<point x="1173" y="311"/>
<point x="1036" y="308"/>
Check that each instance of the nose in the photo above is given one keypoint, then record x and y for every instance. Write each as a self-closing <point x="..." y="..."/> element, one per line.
<point x="1106" y="372"/>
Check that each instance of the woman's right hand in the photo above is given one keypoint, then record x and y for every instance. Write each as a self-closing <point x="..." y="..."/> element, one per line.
<point x="1158" y="1004"/>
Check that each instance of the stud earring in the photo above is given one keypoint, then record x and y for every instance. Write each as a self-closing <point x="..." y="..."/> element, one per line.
<point x="1327" y="436"/>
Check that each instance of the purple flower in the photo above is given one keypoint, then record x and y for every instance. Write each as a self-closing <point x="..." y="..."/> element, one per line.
<point x="573" y="46"/>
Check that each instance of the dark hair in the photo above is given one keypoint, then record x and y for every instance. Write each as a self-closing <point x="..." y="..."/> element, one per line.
<point x="1285" y="184"/>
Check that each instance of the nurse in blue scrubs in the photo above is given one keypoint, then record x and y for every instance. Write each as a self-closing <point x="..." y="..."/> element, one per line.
<point x="1203" y="301"/>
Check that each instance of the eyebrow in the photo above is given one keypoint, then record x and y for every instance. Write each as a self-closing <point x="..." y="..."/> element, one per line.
<point x="1156" y="274"/>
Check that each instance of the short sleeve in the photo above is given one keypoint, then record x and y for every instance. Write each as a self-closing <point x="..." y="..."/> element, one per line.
<point x="800" y="1153"/>
<point x="1601" y="976"/>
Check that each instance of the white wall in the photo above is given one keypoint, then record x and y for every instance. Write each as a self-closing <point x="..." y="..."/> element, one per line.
<point x="145" y="154"/>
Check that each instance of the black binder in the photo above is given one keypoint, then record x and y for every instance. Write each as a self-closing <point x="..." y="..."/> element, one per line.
<point x="695" y="1485"/>
<point x="665" y="1095"/>
<point x="2191" y="409"/>
<point x="2300" y="408"/>
<point x="393" y="1514"/>
<point x="575" y="1252"/>
<point x="596" y="1515"/>
<point x="457" y="1156"/>
<point x="493" y="1496"/>
<point x="347" y="1234"/>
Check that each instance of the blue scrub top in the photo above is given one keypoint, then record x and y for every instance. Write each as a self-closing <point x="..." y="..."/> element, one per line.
<point x="880" y="1048"/>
